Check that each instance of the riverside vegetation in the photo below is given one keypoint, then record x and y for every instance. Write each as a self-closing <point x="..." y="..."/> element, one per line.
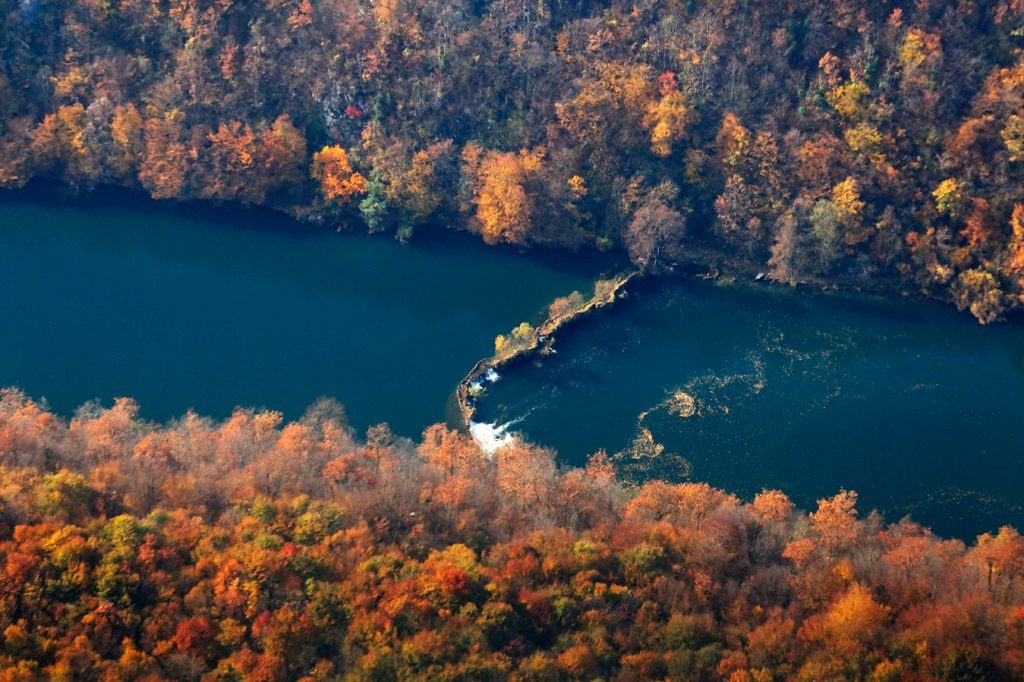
<point x="846" y="142"/>
<point x="837" y="141"/>
<point x="262" y="550"/>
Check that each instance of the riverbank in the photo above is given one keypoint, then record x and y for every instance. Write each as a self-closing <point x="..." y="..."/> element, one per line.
<point x="152" y="542"/>
<point x="527" y="341"/>
<point x="700" y="260"/>
<point x="116" y="295"/>
<point x="797" y="390"/>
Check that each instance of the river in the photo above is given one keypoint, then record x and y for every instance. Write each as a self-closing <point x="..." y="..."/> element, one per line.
<point x="192" y="307"/>
<point x="912" y="405"/>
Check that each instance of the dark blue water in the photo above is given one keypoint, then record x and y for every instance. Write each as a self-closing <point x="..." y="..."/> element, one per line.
<point x="912" y="405"/>
<point x="208" y="309"/>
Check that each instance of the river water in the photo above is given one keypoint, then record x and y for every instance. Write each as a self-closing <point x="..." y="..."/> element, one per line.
<point x="193" y="307"/>
<point x="912" y="405"/>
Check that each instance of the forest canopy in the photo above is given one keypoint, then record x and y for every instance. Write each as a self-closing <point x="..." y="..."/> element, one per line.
<point x="836" y="141"/>
<point x="853" y="142"/>
<point x="257" y="549"/>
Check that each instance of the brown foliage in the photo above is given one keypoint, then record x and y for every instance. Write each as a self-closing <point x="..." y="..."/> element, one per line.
<point x="276" y="551"/>
<point x="757" y="114"/>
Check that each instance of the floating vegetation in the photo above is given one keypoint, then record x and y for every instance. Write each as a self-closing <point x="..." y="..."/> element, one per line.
<point x="682" y="404"/>
<point x="701" y="397"/>
<point x="980" y="506"/>
<point x="774" y="343"/>
<point x="644" y="446"/>
<point x="821" y="363"/>
<point x="645" y="456"/>
<point x="927" y="386"/>
<point x="679" y="403"/>
<point x="674" y="388"/>
<point x="759" y="375"/>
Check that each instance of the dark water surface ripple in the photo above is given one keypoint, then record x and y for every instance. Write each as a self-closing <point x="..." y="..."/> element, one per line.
<point x="914" y="406"/>
<point x="911" y="404"/>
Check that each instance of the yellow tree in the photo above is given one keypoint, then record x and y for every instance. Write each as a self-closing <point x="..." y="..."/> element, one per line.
<point x="1013" y="137"/>
<point x="733" y="143"/>
<point x="504" y="208"/>
<point x="231" y="164"/>
<point x="866" y="140"/>
<point x="338" y="181"/>
<point x="126" y="128"/>
<point x="610" y="103"/>
<point x="835" y="521"/>
<point x="283" y="152"/>
<point x="668" y="119"/>
<point x="851" y="99"/>
<point x="846" y="199"/>
<point x="420" y="191"/>
<point x="1002" y="555"/>
<point x="949" y="197"/>
<point x="920" y="55"/>
<point x="411" y="181"/>
<point x="854" y="623"/>
<point x="771" y="505"/>
<point x="978" y="290"/>
<point x="58" y="141"/>
<point x="1015" y="252"/>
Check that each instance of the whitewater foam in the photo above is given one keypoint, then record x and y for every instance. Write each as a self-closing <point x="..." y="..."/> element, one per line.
<point x="491" y="437"/>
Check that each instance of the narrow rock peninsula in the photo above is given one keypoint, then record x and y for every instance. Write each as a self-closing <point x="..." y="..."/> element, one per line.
<point x="527" y="341"/>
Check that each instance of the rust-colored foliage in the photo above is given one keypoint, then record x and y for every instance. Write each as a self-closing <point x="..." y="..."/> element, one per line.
<point x="273" y="551"/>
<point x="332" y="169"/>
<point x="812" y="141"/>
<point x="164" y="166"/>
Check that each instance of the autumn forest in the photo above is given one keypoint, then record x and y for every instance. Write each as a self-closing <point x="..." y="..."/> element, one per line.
<point x="876" y="144"/>
<point x="868" y="145"/>
<point x="260" y="550"/>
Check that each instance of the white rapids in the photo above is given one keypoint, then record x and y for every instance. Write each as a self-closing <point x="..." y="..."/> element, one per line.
<point x="491" y="437"/>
